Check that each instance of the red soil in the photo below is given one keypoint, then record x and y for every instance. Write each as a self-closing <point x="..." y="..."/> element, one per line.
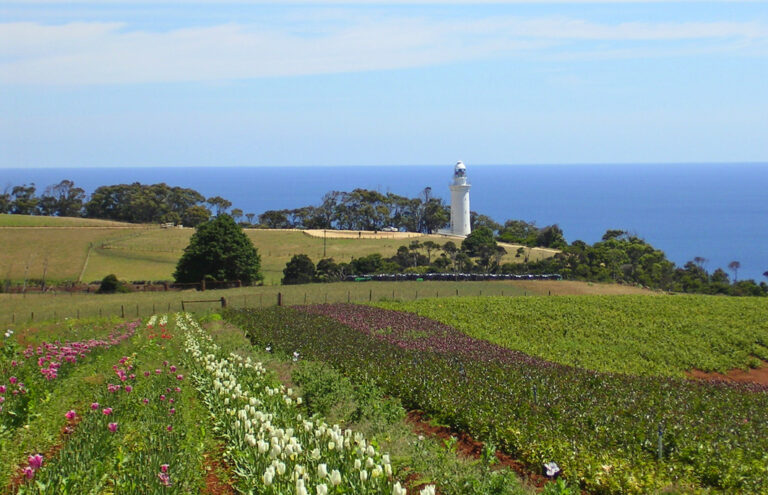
<point x="469" y="447"/>
<point x="752" y="375"/>
<point x="215" y="464"/>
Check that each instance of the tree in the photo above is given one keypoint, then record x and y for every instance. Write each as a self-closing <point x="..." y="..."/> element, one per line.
<point x="551" y="237"/>
<point x="734" y="267"/>
<point x="479" y="242"/>
<point x="237" y="214"/>
<point x="328" y="271"/>
<point x="300" y="270"/>
<point x="221" y="204"/>
<point x="219" y="250"/>
<point x="476" y="220"/>
<point x="24" y="200"/>
<point x="430" y="246"/>
<point x="195" y="215"/>
<point x="250" y="216"/>
<point x="765" y="274"/>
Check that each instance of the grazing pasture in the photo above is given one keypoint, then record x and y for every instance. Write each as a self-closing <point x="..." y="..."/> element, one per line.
<point x="19" y="308"/>
<point x="147" y="252"/>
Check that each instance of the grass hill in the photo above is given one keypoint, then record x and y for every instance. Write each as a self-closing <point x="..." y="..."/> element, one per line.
<point x="77" y="248"/>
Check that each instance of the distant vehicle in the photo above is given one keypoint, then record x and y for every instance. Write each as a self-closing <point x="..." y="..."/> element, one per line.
<point x="389" y="229"/>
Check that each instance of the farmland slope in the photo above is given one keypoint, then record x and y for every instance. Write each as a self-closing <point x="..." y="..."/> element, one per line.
<point x="626" y="334"/>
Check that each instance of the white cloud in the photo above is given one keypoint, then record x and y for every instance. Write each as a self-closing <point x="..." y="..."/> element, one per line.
<point x="95" y="53"/>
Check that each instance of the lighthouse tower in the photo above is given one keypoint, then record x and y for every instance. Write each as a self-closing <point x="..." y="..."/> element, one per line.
<point x="460" y="201"/>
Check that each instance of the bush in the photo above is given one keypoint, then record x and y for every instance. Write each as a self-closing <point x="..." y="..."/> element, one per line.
<point x="110" y="285"/>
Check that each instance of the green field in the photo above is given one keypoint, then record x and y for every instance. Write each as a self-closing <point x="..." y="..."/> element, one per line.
<point x="624" y="334"/>
<point x="147" y="252"/>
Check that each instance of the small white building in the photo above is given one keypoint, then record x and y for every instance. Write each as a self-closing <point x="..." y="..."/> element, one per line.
<point x="460" y="223"/>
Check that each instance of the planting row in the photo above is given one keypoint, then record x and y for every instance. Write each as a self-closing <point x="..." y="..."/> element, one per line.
<point x="272" y="446"/>
<point x="640" y="335"/>
<point x="611" y="433"/>
<point x="134" y="428"/>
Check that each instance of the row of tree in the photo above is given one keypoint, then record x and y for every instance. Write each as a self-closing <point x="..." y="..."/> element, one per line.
<point x="134" y="203"/>
<point x="617" y="257"/>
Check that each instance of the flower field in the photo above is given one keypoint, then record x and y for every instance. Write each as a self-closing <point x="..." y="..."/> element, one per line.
<point x="613" y="433"/>
<point x="140" y="409"/>
<point x="639" y="335"/>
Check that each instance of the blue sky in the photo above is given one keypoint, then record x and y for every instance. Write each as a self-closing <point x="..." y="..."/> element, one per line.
<point x="255" y="83"/>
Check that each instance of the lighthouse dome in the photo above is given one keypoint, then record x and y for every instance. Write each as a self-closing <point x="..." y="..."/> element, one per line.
<point x="460" y="170"/>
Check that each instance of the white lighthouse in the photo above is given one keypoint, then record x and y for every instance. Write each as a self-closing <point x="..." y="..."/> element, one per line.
<point x="460" y="201"/>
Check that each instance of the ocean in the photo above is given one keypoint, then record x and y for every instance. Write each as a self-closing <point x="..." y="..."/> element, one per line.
<point x="716" y="211"/>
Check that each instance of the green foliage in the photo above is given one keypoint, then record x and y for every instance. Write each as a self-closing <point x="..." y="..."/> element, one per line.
<point x="195" y="215"/>
<point x="219" y="250"/>
<point x="478" y="242"/>
<point x="299" y="270"/>
<point x="111" y="285"/>
<point x="643" y="335"/>
<point x="600" y="428"/>
<point x="330" y="394"/>
<point x="140" y="203"/>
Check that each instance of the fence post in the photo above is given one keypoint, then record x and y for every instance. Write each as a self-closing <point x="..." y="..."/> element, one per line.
<point x="370" y="295"/>
<point x="32" y="316"/>
<point x="347" y="296"/>
<point x="122" y="311"/>
<point x="261" y="297"/>
<point x="305" y="298"/>
<point x="137" y="309"/>
<point x="99" y="312"/>
<point x="13" y="318"/>
<point x="457" y="292"/>
<point x="326" y="298"/>
<point x="417" y="294"/>
<point x="169" y="307"/>
<point x="202" y="285"/>
<point x="182" y="306"/>
<point x="223" y="302"/>
<point x="279" y="298"/>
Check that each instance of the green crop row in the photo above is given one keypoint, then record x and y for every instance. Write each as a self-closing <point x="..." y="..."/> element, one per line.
<point x="611" y="433"/>
<point x="639" y="335"/>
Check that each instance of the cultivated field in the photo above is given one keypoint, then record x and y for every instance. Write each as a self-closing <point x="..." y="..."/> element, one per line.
<point x="613" y="433"/>
<point x="165" y="406"/>
<point x="147" y="252"/>
<point x="639" y="335"/>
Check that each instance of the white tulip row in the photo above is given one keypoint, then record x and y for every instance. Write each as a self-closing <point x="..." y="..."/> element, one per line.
<point x="274" y="448"/>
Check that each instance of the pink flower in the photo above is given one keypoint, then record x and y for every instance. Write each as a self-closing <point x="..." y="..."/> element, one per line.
<point x="2" y="389"/>
<point x="107" y="411"/>
<point x="164" y="479"/>
<point x="70" y="415"/>
<point x="132" y="376"/>
<point x="162" y="397"/>
<point x="169" y="428"/>
<point x="128" y="388"/>
<point x="146" y="373"/>
<point x="13" y="380"/>
<point x="112" y="427"/>
<point x="178" y="389"/>
<point x="172" y="411"/>
<point x="171" y="401"/>
<point x="173" y="369"/>
<point x="158" y="371"/>
<point x="94" y="406"/>
<point x="179" y="377"/>
<point x="165" y="363"/>
<point x="145" y="400"/>
<point x="29" y="472"/>
<point x="164" y="468"/>
<point x="2" y="399"/>
<point x="35" y="461"/>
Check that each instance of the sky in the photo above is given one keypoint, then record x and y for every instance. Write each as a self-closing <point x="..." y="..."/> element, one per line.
<point x="257" y="83"/>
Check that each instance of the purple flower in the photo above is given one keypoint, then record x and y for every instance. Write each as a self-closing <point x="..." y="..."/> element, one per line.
<point x="112" y="427"/>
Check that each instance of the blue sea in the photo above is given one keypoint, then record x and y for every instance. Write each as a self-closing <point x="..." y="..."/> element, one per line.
<point x="716" y="211"/>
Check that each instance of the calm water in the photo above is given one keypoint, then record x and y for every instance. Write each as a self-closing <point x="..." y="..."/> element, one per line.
<point x="718" y="212"/>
